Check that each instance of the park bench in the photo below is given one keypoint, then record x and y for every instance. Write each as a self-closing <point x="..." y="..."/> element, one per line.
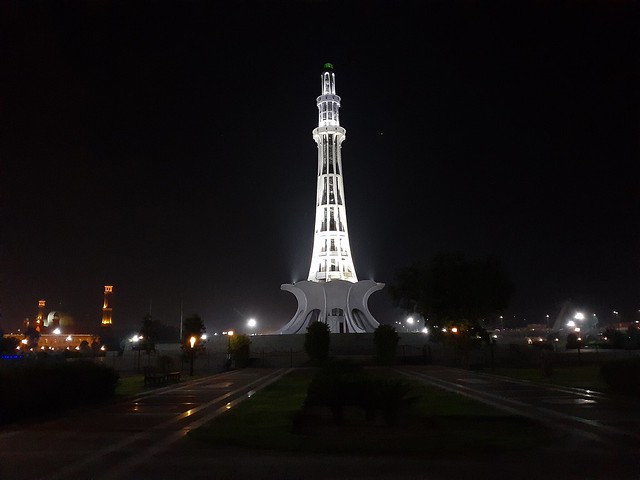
<point x="155" y="378"/>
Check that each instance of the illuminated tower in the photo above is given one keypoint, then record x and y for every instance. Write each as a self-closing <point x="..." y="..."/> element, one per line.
<point x="332" y="293"/>
<point x="40" y="317"/>
<point x="106" y="309"/>
<point x="331" y="258"/>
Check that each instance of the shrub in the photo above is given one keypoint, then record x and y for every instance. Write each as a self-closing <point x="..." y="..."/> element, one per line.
<point x="342" y="384"/>
<point x="386" y="341"/>
<point x="316" y="342"/>
<point x="240" y="348"/>
<point x="36" y="389"/>
<point x="623" y="376"/>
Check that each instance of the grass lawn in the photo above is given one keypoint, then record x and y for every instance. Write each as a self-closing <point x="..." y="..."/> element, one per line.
<point x="587" y="376"/>
<point x="134" y="384"/>
<point x="131" y="385"/>
<point x="438" y="423"/>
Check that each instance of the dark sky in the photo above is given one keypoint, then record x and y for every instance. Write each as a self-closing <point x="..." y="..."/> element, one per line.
<point x="166" y="148"/>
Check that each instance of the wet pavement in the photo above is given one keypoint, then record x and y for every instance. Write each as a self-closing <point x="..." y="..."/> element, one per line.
<point x="609" y="420"/>
<point x="109" y="442"/>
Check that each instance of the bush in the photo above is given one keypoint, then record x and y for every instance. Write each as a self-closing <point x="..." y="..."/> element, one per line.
<point x="623" y="376"/>
<point x="240" y="348"/>
<point x="36" y="389"/>
<point x="386" y="341"/>
<point x="342" y="384"/>
<point x="316" y="342"/>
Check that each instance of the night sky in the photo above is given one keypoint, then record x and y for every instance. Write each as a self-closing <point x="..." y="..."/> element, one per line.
<point x="165" y="148"/>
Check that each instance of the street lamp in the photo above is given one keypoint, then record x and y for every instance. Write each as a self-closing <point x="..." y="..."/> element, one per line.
<point x="229" y="335"/>
<point x="192" y="343"/>
<point x="410" y="321"/>
<point x="135" y="339"/>
<point x="251" y="323"/>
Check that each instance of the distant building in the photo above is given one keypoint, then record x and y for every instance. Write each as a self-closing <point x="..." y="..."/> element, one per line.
<point x="106" y="309"/>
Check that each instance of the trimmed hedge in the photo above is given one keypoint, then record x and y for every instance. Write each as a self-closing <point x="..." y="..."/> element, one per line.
<point x="340" y="384"/>
<point x="623" y="376"/>
<point x="35" y="389"/>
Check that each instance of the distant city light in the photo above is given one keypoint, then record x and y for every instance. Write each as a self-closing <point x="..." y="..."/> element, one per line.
<point x="571" y="323"/>
<point x="410" y="320"/>
<point x="579" y="316"/>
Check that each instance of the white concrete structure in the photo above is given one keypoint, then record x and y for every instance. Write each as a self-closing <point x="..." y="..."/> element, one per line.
<point x="332" y="293"/>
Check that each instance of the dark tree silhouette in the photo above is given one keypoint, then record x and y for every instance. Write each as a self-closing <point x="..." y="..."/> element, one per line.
<point x="452" y="288"/>
<point x="33" y="336"/>
<point x="386" y="341"/>
<point x="8" y="344"/>
<point x="192" y="326"/>
<point x="316" y="342"/>
<point x="240" y="348"/>
<point x="149" y="332"/>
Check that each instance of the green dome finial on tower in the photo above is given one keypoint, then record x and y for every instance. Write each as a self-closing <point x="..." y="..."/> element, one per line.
<point x="328" y="66"/>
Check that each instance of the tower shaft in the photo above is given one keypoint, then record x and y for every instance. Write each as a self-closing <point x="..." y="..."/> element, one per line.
<point x="331" y="258"/>
<point x="332" y="294"/>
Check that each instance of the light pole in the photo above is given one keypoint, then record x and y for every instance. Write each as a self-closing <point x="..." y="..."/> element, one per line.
<point x="229" y="335"/>
<point x="136" y="344"/>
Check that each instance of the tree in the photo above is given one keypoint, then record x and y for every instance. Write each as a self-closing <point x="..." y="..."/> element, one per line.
<point x="8" y="344"/>
<point x="149" y="334"/>
<point x="451" y="288"/>
<point x="33" y="336"/>
<point x="316" y="342"/>
<point x="239" y="347"/>
<point x="386" y="341"/>
<point x="85" y="348"/>
<point x="192" y="326"/>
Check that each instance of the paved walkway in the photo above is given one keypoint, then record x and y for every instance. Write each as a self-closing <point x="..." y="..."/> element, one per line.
<point x="593" y="415"/>
<point x="111" y="442"/>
